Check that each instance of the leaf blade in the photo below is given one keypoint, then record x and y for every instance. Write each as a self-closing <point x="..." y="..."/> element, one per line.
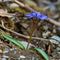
<point x="40" y="51"/>
<point x="9" y="38"/>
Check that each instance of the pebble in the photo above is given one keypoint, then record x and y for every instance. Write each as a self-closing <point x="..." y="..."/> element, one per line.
<point x="5" y="0"/>
<point x="1" y="51"/>
<point x="22" y="56"/>
<point x="14" y="5"/>
<point x="4" y="56"/>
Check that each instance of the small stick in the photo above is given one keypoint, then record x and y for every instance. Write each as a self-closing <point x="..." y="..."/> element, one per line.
<point x="24" y="5"/>
<point x="54" y="22"/>
<point x="30" y="9"/>
<point x="21" y="35"/>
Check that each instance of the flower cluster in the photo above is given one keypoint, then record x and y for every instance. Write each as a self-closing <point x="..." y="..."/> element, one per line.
<point x="36" y="15"/>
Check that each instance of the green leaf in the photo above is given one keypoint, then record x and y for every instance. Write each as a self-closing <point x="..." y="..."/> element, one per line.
<point x="24" y="43"/>
<point x="41" y="52"/>
<point x="13" y="40"/>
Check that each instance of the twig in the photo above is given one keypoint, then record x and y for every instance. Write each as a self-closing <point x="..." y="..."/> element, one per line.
<point x="54" y="22"/>
<point x="30" y="9"/>
<point x="23" y="5"/>
<point x="21" y="35"/>
<point x="26" y="37"/>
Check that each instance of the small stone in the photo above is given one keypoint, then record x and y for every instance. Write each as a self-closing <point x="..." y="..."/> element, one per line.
<point x="4" y="56"/>
<point x="13" y="5"/>
<point x="22" y="56"/>
<point x="54" y="41"/>
<point x="1" y="51"/>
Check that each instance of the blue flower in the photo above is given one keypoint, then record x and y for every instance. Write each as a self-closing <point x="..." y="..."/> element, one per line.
<point x="36" y="15"/>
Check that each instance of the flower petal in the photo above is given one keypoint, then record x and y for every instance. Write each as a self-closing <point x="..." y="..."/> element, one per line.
<point x="37" y="15"/>
<point x="29" y="16"/>
<point x="42" y="16"/>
